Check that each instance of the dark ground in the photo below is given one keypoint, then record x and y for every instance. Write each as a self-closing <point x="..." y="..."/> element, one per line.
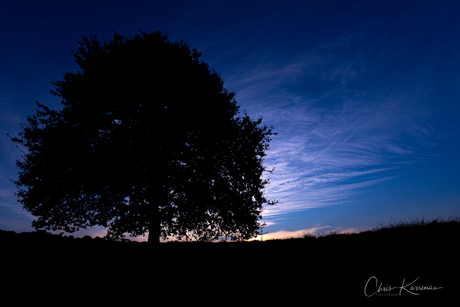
<point x="333" y="268"/>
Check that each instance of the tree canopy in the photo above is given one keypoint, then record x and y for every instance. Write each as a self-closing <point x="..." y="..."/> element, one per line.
<point x="147" y="140"/>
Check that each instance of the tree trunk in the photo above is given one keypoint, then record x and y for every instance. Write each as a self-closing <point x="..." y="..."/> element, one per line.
<point x="155" y="193"/>
<point x="155" y="223"/>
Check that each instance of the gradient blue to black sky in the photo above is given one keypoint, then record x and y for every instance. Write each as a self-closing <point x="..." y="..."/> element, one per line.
<point x="364" y="95"/>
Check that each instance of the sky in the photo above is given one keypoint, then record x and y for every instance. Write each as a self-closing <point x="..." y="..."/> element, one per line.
<point x="364" y="96"/>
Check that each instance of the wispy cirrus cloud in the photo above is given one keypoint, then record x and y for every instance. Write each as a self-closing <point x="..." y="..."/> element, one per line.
<point x="346" y="135"/>
<point x="335" y="150"/>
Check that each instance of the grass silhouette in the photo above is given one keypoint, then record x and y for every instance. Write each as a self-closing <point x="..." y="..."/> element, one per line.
<point x="325" y="266"/>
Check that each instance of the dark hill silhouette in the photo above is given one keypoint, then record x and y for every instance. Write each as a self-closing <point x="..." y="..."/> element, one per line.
<point x="328" y="266"/>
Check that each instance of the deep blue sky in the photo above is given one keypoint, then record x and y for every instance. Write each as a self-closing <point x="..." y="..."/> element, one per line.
<point x="364" y="95"/>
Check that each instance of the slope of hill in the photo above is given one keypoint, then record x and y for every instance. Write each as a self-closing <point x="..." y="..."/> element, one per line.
<point x="414" y="261"/>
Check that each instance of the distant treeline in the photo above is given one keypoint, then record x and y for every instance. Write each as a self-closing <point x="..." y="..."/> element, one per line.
<point x="413" y="229"/>
<point x="43" y="236"/>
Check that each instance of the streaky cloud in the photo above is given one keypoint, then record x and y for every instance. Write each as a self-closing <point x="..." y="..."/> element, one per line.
<point x="353" y="135"/>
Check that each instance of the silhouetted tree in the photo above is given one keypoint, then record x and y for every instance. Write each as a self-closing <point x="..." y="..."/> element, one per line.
<point x="148" y="140"/>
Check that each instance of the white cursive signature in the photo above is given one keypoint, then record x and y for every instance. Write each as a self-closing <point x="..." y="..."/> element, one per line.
<point x="380" y="289"/>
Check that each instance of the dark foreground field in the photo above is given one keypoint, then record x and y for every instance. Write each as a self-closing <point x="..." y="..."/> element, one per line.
<point x="413" y="262"/>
